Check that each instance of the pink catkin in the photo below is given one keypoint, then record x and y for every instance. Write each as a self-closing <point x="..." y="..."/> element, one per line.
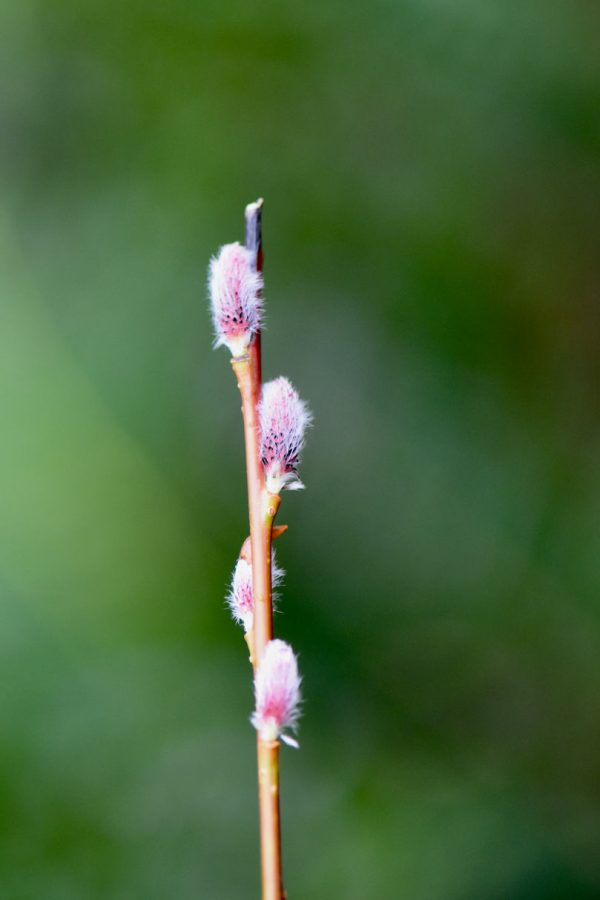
<point x="235" y="287"/>
<point x="284" y="418"/>
<point x="240" y="598"/>
<point x="277" y="692"/>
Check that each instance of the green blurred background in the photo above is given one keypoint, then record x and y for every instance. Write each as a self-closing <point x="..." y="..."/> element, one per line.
<point x="431" y="178"/>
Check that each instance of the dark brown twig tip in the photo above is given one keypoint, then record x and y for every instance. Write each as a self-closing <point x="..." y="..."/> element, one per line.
<point x="253" y="216"/>
<point x="254" y="209"/>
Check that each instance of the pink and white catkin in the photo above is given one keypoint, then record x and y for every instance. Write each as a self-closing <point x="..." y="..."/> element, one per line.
<point x="235" y="297"/>
<point x="240" y="598"/>
<point x="284" y="418"/>
<point x="277" y="693"/>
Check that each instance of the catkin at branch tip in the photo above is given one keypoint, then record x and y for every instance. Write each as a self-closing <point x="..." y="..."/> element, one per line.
<point x="235" y="297"/>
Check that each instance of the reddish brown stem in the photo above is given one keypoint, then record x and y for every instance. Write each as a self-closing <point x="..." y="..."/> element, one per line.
<point x="262" y="508"/>
<point x="270" y="827"/>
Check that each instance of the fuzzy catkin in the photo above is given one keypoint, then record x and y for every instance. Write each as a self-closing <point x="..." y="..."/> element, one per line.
<point x="240" y="598"/>
<point x="277" y="692"/>
<point x="235" y="296"/>
<point x="283" y="418"/>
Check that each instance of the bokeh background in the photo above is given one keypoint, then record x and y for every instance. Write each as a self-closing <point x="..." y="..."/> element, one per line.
<point x="431" y="175"/>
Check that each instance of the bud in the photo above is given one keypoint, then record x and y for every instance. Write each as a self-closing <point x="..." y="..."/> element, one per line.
<point x="277" y="693"/>
<point x="283" y="421"/>
<point x="234" y="286"/>
<point x="240" y="598"/>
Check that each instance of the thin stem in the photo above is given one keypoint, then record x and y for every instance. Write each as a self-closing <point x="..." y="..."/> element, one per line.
<point x="270" y="827"/>
<point x="246" y="373"/>
<point x="262" y="508"/>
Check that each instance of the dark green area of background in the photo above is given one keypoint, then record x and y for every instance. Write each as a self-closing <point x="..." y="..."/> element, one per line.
<point x="432" y="188"/>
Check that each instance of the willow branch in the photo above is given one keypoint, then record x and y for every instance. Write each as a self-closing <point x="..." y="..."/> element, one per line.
<point x="262" y="507"/>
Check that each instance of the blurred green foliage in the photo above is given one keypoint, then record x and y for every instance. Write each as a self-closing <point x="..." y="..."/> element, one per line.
<point x="432" y="190"/>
